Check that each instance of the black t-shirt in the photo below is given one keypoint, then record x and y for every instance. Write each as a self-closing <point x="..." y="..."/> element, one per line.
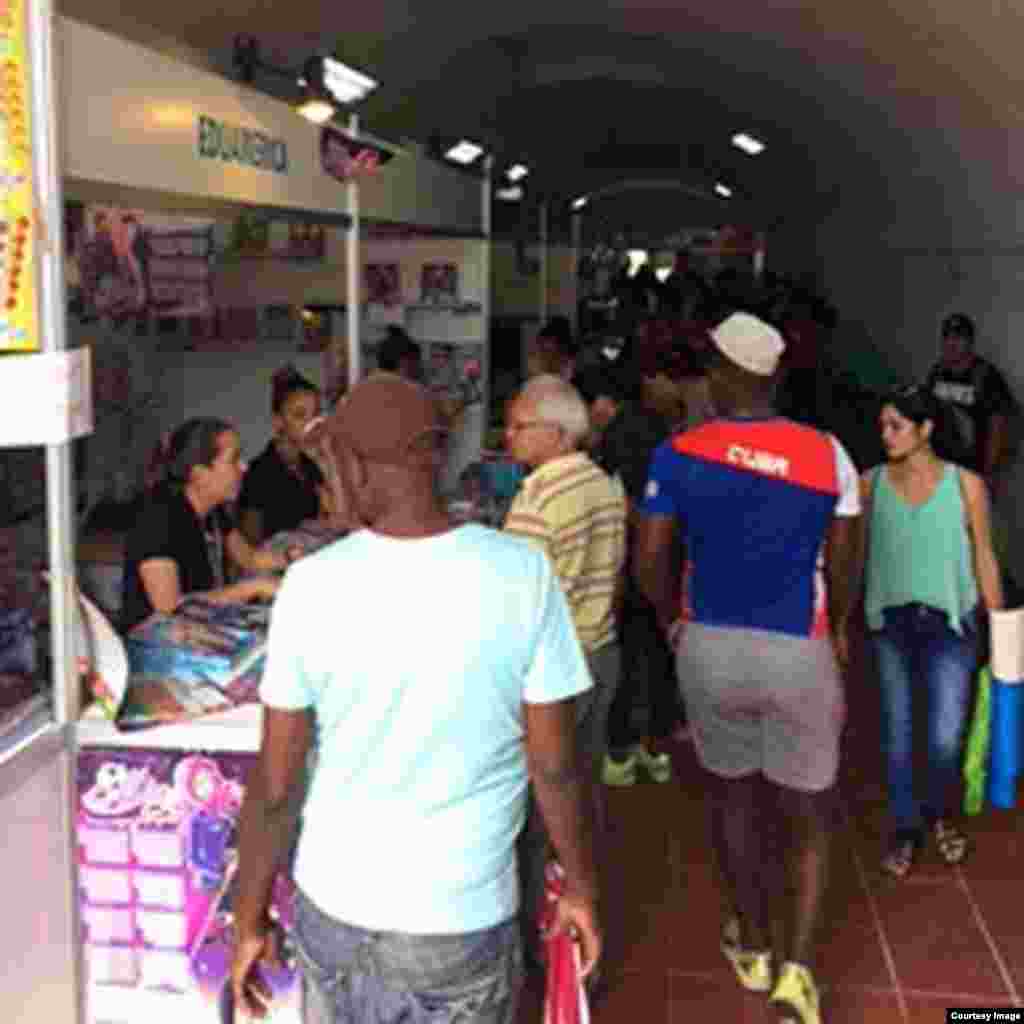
<point x="168" y="527"/>
<point x="975" y="395"/>
<point x="282" y="497"/>
<point x="626" y="447"/>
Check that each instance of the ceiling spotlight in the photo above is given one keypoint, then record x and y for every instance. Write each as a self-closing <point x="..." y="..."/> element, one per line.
<point x="510" y="195"/>
<point x="578" y="204"/>
<point x="464" y="152"/>
<point x="723" y="190"/>
<point x="317" y="110"/>
<point x="516" y="172"/>
<point x="749" y="145"/>
<point x="326" y="76"/>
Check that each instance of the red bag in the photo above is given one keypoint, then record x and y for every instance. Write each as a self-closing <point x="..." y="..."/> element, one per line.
<point x="565" y="998"/>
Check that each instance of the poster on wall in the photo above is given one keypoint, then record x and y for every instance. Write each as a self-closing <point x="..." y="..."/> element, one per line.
<point x="19" y="324"/>
<point x="439" y="283"/>
<point x="158" y="859"/>
<point x="453" y="372"/>
<point x="131" y="263"/>
<point x="383" y="284"/>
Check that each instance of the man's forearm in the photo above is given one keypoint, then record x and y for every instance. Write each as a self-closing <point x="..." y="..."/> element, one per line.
<point x="994" y="445"/>
<point x="265" y="833"/>
<point x="566" y="806"/>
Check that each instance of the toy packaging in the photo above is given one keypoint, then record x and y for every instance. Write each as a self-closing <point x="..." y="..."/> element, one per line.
<point x="203" y="658"/>
<point x="157" y="852"/>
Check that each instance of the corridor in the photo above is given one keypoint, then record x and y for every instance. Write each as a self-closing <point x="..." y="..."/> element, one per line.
<point x="896" y="953"/>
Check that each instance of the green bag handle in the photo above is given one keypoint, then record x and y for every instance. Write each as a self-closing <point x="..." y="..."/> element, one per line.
<point x="977" y="746"/>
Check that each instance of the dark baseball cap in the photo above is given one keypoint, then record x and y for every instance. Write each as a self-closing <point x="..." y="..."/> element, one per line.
<point x="381" y="419"/>
<point x="958" y="325"/>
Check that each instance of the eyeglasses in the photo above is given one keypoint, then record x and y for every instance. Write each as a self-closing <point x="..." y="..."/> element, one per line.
<point x="516" y="428"/>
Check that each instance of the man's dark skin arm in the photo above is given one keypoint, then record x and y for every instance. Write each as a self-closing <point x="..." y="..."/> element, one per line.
<point x="654" y="567"/>
<point x="266" y="830"/>
<point x="562" y="787"/>
<point x="995" y="446"/>
<point x="844" y="564"/>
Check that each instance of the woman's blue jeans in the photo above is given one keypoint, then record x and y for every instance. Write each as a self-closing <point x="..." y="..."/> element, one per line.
<point x="921" y="658"/>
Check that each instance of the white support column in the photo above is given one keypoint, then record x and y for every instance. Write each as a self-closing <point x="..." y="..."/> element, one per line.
<point x="353" y="266"/>
<point x="52" y="320"/>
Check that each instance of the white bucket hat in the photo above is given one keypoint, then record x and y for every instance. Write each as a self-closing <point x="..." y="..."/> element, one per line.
<point x="750" y="343"/>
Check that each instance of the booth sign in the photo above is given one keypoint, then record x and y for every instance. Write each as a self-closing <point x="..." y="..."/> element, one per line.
<point x="232" y="144"/>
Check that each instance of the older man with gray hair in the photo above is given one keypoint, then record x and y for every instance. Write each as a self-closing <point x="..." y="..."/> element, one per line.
<point x="577" y="514"/>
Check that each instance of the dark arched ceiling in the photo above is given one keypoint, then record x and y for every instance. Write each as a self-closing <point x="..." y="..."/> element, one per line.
<point x="878" y="104"/>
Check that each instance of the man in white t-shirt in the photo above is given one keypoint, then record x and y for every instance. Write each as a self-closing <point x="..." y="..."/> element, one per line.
<point x="437" y="666"/>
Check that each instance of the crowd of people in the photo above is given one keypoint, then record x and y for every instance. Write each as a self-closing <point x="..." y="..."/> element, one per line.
<point x="468" y="691"/>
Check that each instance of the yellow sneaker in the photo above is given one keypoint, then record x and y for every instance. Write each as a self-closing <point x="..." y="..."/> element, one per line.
<point x="753" y="967"/>
<point x="619" y="773"/>
<point x="795" y="996"/>
<point x="657" y="766"/>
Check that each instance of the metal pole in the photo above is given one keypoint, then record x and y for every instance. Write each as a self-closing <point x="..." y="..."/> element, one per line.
<point x="577" y="247"/>
<point x="353" y="291"/>
<point x="486" y="194"/>
<point x="543" y="306"/>
<point x="52" y="310"/>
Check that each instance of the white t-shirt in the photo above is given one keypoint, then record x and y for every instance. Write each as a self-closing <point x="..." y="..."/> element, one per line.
<point x="416" y="656"/>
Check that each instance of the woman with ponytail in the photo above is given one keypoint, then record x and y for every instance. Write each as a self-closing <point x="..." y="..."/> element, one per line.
<point x="284" y="486"/>
<point x="184" y="531"/>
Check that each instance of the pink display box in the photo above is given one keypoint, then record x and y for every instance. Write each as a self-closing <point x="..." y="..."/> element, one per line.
<point x="106" y="887"/>
<point x="112" y="965"/>
<point x="166" y="890"/>
<point x="165" y="969"/>
<point x="158" y="846"/>
<point x="163" y="929"/>
<point x="104" y="843"/>
<point x="108" y="925"/>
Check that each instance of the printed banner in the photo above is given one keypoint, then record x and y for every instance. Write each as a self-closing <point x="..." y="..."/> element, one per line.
<point x="158" y="858"/>
<point x="346" y="159"/>
<point x="19" y="317"/>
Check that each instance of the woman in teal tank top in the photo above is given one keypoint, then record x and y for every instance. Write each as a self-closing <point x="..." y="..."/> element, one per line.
<point x="929" y="559"/>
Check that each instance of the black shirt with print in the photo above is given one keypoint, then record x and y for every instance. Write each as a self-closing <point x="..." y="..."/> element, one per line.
<point x="975" y="395"/>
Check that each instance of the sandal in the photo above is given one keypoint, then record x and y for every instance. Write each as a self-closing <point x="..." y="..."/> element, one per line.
<point x="753" y="967"/>
<point x="952" y="843"/>
<point x="900" y="858"/>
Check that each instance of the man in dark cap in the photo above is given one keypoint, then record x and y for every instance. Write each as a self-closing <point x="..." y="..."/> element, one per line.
<point x="437" y="666"/>
<point x="978" y="395"/>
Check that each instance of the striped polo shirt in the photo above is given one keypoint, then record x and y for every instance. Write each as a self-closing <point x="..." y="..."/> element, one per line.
<point x="755" y="499"/>
<point x="577" y="513"/>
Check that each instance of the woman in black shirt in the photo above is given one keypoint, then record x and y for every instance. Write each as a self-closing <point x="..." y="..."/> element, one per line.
<point x="183" y="532"/>
<point x="284" y="486"/>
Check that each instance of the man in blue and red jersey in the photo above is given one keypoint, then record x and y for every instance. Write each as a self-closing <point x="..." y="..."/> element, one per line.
<point x="766" y="508"/>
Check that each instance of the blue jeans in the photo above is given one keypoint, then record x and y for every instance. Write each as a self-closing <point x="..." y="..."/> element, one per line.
<point x="919" y="655"/>
<point x="354" y="976"/>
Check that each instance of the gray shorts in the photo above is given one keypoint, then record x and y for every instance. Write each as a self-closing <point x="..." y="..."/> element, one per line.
<point x="763" y="702"/>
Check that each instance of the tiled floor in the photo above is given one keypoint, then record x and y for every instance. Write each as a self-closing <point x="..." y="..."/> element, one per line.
<point x="898" y="953"/>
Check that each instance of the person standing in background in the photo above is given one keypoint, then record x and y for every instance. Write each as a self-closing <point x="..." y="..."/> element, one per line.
<point x="980" y="397"/>
<point x="625" y="436"/>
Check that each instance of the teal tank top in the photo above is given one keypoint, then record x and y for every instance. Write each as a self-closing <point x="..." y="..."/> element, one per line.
<point x="919" y="554"/>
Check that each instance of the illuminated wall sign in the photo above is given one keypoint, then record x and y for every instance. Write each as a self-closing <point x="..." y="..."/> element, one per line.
<point x="346" y="158"/>
<point x="19" y="324"/>
<point x="235" y="145"/>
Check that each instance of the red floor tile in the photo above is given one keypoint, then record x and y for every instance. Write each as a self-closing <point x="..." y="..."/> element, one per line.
<point x="693" y="997"/>
<point x="1000" y="909"/>
<point x="935" y="942"/>
<point x="846" y="1005"/>
<point x="931" y="1009"/>
<point x="632" y="997"/>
